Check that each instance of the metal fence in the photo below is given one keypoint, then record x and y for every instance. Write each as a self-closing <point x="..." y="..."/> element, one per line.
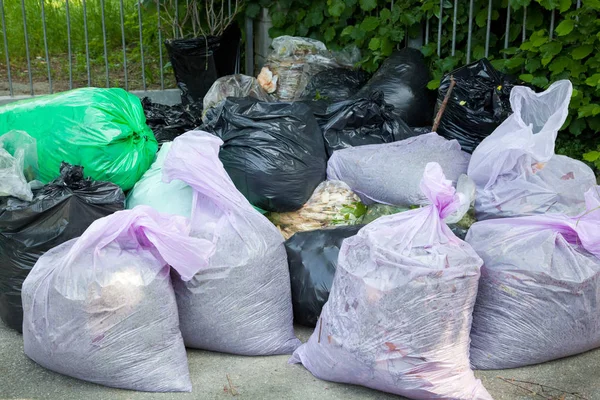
<point x="136" y="62"/>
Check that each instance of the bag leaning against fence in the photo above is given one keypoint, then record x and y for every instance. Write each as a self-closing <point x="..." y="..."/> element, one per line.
<point x="539" y="293"/>
<point x="101" y="307"/>
<point x="241" y="303"/>
<point x="399" y="314"/>
<point x="515" y="169"/>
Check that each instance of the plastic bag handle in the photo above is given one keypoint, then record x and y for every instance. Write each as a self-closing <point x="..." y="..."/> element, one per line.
<point x="168" y="234"/>
<point x="439" y="190"/>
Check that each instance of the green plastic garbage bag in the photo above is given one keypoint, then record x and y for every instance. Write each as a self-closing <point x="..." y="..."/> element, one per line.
<point x="103" y="130"/>
<point x="175" y="197"/>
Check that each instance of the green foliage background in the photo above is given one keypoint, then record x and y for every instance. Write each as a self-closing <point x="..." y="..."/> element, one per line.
<point x="571" y="50"/>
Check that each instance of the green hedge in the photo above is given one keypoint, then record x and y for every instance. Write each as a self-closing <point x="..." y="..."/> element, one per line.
<point x="377" y="28"/>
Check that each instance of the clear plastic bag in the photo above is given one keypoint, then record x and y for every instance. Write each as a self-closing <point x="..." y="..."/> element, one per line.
<point x="515" y="169"/>
<point x="18" y="164"/>
<point x="241" y="303"/>
<point x="293" y="62"/>
<point x="390" y="173"/>
<point x="101" y="307"/>
<point x="398" y="316"/>
<point x="538" y="294"/>
<point x="332" y="203"/>
<point x="234" y="86"/>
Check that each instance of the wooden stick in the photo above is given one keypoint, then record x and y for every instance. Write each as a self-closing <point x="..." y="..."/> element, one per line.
<point x="521" y="387"/>
<point x="438" y="117"/>
<point x="576" y="394"/>
<point x="231" y="388"/>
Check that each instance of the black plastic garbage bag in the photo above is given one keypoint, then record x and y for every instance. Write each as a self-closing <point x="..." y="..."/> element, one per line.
<point x="403" y="78"/>
<point x="335" y="85"/>
<point x="480" y="101"/>
<point x="168" y="122"/>
<point x="60" y="211"/>
<point x="312" y="257"/>
<point x="363" y="121"/>
<point x="273" y="152"/>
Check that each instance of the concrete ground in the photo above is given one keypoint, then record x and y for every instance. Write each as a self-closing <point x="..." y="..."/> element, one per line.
<point x="271" y="378"/>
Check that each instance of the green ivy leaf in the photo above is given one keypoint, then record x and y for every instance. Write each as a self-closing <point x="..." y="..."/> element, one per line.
<point x="369" y="24"/>
<point x="385" y="14"/>
<point x="564" y="5"/>
<point x="313" y="18"/>
<point x="592" y="156"/>
<point x="589" y="110"/>
<point x="336" y="7"/>
<point x="510" y="50"/>
<point x="565" y="27"/>
<point x="481" y="17"/>
<point x="433" y="85"/>
<point x="368" y="5"/>
<point x="387" y="47"/>
<point x="514" y="63"/>
<point x="347" y="30"/>
<point x="577" y="126"/>
<point x="329" y="34"/>
<point x="358" y="33"/>
<point x="526" y="78"/>
<point x="582" y="51"/>
<point x="593" y="80"/>
<point x="375" y="44"/>
<point x="532" y="64"/>
<point x="252" y="10"/>
<point x="551" y="49"/>
<point x="559" y="64"/>
<point x="540" y="81"/>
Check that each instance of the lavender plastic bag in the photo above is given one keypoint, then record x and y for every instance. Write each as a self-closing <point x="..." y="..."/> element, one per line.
<point x="241" y="303"/>
<point x="515" y="168"/>
<point x="399" y="313"/>
<point x="390" y="173"/>
<point x="101" y="307"/>
<point x="539" y="293"/>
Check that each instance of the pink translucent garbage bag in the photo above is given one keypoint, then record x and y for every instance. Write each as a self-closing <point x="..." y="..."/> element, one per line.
<point x="399" y="313"/>
<point x="391" y="173"/>
<point x="515" y="168"/>
<point x="539" y="293"/>
<point x="101" y="307"/>
<point x="241" y="303"/>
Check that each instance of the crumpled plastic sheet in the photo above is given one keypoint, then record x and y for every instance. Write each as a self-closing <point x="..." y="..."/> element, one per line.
<point x="101" y="307"/>
<point x="18" y="164"/>
<point x="399" y="314"/>
<point x="539" y="290"/>
<point x="168" y="122"/>
<point x="335" y="85"/>
<point x="390" y="173"/>
<point x="515" y="169"/>
<point x="241" y="302"/>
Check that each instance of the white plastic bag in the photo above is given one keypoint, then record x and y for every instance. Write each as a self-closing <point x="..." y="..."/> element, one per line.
<point x="390" y="173"/>
<point x="241" y="303"/>
<point x="399" y="314"/>
<point x="18" y="164"/>
<point x="233" y="86"/>
<point x="101" y="307"/>
<point x="539" y="293"/>
<point x="515" y="168"/>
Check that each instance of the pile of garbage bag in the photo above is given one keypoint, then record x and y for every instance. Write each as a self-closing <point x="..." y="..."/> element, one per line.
<point x="58" y="212"/>
<point x="103" y="130"/>
<point x="313" y="194"/>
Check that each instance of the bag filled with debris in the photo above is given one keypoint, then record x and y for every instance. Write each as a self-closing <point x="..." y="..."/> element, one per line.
<point x="515" y="168"/>
<point x="273" y="152"/>
<point x="333" y="85"/>
<point x="403" y="79"/>
<point x="390" y="173"/>
<point x="362" y="121"/>
<point x="538" y="294"/>
<point x="399" y="314"/>
<point x="291" y="65"/>
<point x="168" y="122"/>
<point x="234" y="86"/>
<point x="241" y="302"/>
<point x="103" y="130"/>
<point x="479" y="102"/>
<point x="101" y="307"/>
<point x="312" y="257"/>
<point x="18" y="165"/>
<point x="332" y="203"/>
<point x="58" y="212"/>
